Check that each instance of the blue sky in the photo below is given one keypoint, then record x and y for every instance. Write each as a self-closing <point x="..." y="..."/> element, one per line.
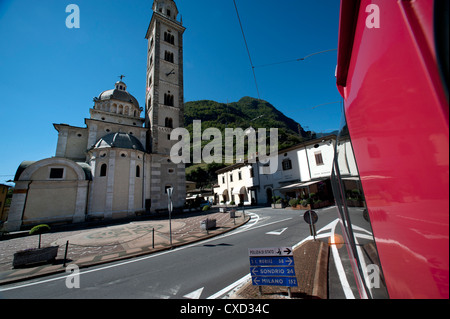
<point x="50" y="74"/>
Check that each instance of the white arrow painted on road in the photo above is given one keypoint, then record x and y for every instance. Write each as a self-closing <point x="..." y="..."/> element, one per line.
<point x="277" y="232"/>
<point x="195" y="294"/>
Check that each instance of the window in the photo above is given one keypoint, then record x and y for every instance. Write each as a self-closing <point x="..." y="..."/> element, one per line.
<point x="56" y="173"/>
<point x="103" y="170"/>
<point x="231" y="177"/>
<point x="251" y="173"/>
<point x="168" y="56"/>
<point x="169" y="122"/>
<point x="168" y="99"/>
<point x="138" y="171"/>
<point x="168" y="12"/>
<point x="354" y="215"/>
<point x="223" y="179"/>
<point x="287" y="164"/>
<point x="240" y="176"/>
<point x="319" y="159"/>
<point x="169" y="38"/>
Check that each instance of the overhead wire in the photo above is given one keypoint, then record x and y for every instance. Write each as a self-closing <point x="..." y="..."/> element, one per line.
<point x="248" y="51"/>
<point x="295" y="60"/>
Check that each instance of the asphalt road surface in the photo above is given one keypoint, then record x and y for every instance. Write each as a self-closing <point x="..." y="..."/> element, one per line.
<point x="207" y="269"/>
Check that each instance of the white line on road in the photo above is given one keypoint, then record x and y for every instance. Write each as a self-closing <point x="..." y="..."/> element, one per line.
<point x="256" y="216"/>
<point x="227" y="291"/>
<point x="277" y="232"/>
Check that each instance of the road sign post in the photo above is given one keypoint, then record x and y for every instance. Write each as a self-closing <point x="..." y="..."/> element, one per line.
<point x="272" y="266"/>
<point x="311" y="218"/>
<point x="169" y="196"/>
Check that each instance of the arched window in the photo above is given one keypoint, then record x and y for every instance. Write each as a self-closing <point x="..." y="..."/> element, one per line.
<point x="169" y="122"/>
<point x="138" y="171"/>
<point x="168" y="56"/>
<point x="103" y="170"/>
<point x="168" y="99"/>
<point x="169" y="38"/>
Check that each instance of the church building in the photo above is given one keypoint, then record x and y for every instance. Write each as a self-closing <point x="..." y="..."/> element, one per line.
<point x="118" y="165"/>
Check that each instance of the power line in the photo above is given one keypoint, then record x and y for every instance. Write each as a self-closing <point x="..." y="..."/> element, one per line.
<point x="248" y="51"/>
<point x="296" y="60"/>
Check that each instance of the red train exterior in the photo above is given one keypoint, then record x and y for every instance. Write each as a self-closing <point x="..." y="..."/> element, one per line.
<point x="393" y="76"/>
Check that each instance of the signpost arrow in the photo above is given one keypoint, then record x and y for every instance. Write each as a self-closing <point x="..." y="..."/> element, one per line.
<point x="272" y="251"/>
<point x="271" y="261"/>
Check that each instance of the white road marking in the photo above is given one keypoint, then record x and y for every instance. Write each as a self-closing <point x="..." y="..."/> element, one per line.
<point x="342" y="276"/>
<point x="277" y="232"/>
<point x="255" y="219"/>
<point x="338" y="263"/>
<point x="195" y="294"/>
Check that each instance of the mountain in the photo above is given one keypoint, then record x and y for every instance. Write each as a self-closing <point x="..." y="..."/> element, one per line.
<point x="243" y="114"/>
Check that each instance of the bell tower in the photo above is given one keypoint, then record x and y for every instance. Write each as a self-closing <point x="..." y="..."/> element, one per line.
<point x="164" y="106"/>
<point x="164" y="109"/>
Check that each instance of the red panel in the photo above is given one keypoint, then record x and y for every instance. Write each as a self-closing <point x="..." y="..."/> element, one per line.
<point x="397" y="116"/>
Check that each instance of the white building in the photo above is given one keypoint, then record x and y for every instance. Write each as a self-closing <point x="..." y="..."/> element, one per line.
<point x="302" y="169"/>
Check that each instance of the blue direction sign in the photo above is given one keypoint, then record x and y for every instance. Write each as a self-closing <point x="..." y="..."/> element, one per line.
<point x="272" y="267"/>
<point x="275" y="281"/>
<point x="271" y="261"/>
<point x="272" y="271"/>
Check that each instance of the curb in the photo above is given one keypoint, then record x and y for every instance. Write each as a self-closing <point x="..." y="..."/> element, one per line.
<point x="119" y="258"/>
<point x="321" y="275"/>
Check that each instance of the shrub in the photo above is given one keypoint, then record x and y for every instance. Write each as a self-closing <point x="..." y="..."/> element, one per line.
<point x="39" y="230"/>
<point x="293" y="202"/>
<point x="232" y="202"/>
<point x="206" y="208"/>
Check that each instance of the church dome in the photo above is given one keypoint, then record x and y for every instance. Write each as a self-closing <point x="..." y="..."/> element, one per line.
<point x="119" y="140"/>
<point x="119" y="93"/>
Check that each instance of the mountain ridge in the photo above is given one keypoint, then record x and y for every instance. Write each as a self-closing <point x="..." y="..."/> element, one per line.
<point x="245" y="113"/>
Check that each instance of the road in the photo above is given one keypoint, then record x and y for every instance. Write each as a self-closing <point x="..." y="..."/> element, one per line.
<point x="207" y="269"/>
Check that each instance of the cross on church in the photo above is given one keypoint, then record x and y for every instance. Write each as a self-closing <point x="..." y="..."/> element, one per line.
<point x="121" y="77"/>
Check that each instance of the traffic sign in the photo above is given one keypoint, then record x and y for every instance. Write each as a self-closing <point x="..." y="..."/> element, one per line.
<point x="272" y="271"/>
<point x="272" y="251"/>
<point x="275" y="281"/>
<point x="271" y="261"/>
<point x="272" y="267"/>
<point x="310" y="217"/>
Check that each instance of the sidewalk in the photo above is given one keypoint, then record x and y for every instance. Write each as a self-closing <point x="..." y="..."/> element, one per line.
<point x="94" y="246"/>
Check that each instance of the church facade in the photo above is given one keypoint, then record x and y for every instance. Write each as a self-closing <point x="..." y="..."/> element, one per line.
<point x="118" y="165"/>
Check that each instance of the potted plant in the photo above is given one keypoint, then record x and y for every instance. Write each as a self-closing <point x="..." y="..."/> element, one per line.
<point x="294" y="202"/>
<point x="280" y="203"/>
<point x="36" y="255"/>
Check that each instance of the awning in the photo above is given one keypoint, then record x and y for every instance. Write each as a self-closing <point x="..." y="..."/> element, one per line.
<point x="299" y="185"/>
